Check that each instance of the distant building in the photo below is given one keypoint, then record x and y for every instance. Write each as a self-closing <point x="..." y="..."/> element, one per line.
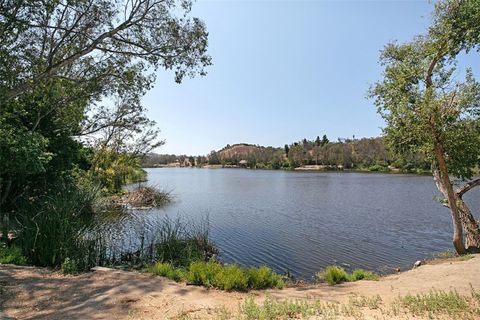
<point x="243" y="163"/>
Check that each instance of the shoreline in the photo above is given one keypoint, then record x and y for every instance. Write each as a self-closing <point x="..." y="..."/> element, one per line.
<point x="31" y="292"/>
<point x="299" y="169"/>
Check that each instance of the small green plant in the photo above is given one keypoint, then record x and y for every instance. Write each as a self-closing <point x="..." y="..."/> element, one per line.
<point x="360" y="274"/>
<point x="264" y="277"/>
<point x="11" y="255"/>
<point x="70" y="266"/>
<point x="203" y="273"/>
<point x="333" y="275"/>
<point x="167" y="270"/>
<point x="232" y="277"/>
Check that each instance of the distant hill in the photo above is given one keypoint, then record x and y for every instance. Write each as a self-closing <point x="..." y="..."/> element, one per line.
<point x="238" y="150"/>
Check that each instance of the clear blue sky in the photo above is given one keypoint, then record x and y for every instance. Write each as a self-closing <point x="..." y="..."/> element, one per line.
<point x="283" y="71"/>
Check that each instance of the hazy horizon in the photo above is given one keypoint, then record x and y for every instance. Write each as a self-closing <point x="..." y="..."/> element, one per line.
<point x="283" y="71"/>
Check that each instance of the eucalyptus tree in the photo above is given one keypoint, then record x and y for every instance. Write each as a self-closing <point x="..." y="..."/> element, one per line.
<point x="428" y="110"/>
<point x="63" y="63"/>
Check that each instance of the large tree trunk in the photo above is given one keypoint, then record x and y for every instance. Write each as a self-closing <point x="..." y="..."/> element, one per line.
<point x="470" y="227"/>
<point x="463" y="220"/>
<point x="444" y="185"/>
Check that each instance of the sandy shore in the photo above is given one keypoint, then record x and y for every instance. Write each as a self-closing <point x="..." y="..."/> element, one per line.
<point x="37" y="293"/>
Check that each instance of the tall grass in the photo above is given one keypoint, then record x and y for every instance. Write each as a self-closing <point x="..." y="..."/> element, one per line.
<point x="181" y="242"/>
<point x="49" y="227"/>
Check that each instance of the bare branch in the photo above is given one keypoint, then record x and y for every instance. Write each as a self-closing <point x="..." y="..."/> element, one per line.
<point x="467" y="187"/>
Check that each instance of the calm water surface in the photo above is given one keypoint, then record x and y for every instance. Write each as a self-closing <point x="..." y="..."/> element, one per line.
<point x="304" y="221"/>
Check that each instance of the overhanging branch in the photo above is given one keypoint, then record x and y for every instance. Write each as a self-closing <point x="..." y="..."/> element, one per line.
<point x="467" y="187"/>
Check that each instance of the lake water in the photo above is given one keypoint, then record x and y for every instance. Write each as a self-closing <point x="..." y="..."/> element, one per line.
<point x="304" y="221"/>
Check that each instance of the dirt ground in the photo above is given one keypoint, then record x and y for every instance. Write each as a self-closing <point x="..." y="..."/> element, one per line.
<point x="36" y="293"/>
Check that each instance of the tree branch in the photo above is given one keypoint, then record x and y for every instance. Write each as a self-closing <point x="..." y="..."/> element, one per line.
<point x="467" y="187"/>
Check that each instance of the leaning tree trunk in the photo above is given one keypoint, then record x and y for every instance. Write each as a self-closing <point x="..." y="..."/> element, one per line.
<point x="445" y="187"/>
<point x="470" y="227"/>
<point x="463" y="220"/>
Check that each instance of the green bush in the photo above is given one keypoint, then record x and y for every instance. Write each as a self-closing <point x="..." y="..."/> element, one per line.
<point x="70" y="266"/>
<point x="232" y="277"/>
<point x="377" y="168"/>
<point x="203" y="273"/>
<point x="360" y="274"/>
<point x="214" y="274"/>
<point x="264" y="277"/>
<point x="167" y="270"/>
<point x="333" y="275"/>
<point x="11" y="255"/>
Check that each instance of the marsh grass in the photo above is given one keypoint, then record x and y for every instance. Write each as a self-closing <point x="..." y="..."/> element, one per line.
<point x="181" y="242"/>
<point x="49" y="227"/>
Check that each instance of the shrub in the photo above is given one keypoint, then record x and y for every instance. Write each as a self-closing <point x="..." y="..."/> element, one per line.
<point x="333" y="275"/>
<point x="11" y="255"/>
<point x="232" y="277"/>
<point x="70" y="266"/>
<point x="377" y="168"/>
<point x="214" y="274"/>
<point x="167" y="270"/>
<point x="203" y="273"/>
<point x="360" y="274"/>
<point x="264" y="277"/>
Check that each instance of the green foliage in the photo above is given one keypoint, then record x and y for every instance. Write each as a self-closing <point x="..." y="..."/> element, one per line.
<point x="167" y="270"/>
<point x="12" y="254"/>
<point x="213" y="274"/>
<point x="50" y="227"/>
<point x="377" y="168"/>
<point x="70" y="266"/>
<point x="203" y="273"/>
<point x="358" y="154"/>
<point x="335" y="275"/>
<point x="264" y="277"/>
<point x="412" y="98"/>
<point x="360" y="274"/>
<point x="56" y="132"/>
<point x="232" y="277"/>
<point x="181" y="243"/>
